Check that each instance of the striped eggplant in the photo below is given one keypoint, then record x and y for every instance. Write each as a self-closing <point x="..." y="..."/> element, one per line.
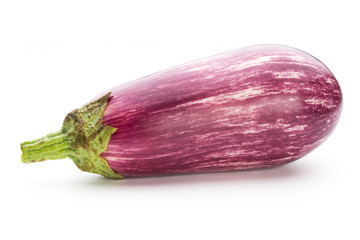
<point x="254" y="107"/>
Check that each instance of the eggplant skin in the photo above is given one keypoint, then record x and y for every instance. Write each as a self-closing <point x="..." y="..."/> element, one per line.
<point x="254" y="107"/>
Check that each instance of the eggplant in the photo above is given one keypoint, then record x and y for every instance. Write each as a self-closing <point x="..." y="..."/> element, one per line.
<point x="255" y="107"/>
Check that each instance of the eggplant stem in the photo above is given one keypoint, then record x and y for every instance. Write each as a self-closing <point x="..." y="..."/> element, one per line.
<point x="51" y="146"/>
<point x="82" y="138"/>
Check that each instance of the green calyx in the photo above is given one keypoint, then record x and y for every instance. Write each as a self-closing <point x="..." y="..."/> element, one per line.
<point x="82" y="138"/>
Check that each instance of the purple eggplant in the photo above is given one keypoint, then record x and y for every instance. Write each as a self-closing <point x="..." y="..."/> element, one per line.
<point x="254" y="107"/>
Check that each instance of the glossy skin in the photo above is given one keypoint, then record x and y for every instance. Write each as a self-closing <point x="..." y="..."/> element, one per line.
<point x="255" y="107"/>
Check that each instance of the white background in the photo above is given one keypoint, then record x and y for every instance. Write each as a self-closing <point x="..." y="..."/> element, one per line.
<point x="57" y="55"/>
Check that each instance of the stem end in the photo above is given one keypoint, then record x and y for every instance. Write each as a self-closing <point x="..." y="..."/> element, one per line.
<point x="82" y="138"/>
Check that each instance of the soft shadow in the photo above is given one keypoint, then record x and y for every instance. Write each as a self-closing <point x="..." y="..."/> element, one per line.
<point x="288" y="171"/>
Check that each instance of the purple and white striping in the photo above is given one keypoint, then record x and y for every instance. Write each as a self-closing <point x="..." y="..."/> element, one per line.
<point x="255" y="107"/>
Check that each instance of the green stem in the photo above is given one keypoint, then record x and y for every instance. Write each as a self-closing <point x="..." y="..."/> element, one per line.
<point x="52" y="146"/>
<point x="82" y="138"/>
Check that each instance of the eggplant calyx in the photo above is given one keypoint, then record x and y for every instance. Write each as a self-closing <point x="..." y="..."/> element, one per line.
<point x="82" y="138"/>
